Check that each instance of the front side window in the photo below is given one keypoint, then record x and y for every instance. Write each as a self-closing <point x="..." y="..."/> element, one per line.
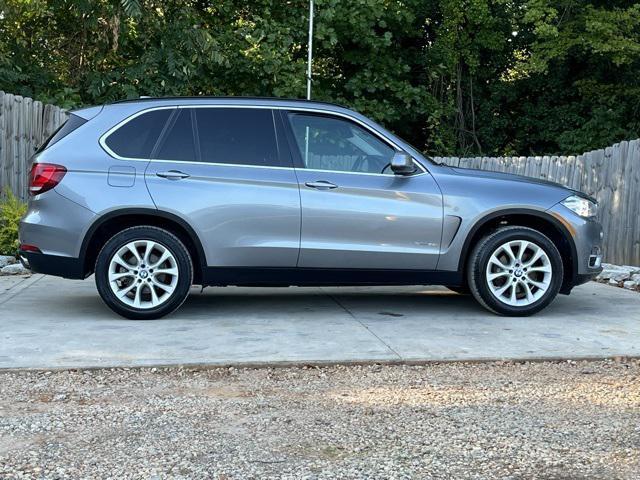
<point x="330" y="143"/>
<point x="137" y="137"/>
<point x="240" y="136"/>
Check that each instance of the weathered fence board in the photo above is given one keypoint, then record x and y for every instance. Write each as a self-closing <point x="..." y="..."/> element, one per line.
<point x="611" y="175"/>
<point x="24" y="125"/>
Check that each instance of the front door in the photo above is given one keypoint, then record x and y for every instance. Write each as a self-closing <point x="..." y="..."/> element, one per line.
<point x="356" y="214"/>
<point x="221" y="170"/>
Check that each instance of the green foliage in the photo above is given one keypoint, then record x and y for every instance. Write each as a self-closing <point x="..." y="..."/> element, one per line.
<point x="11" y="211"/>
<point x="463" y="77"/>
<point x="131" y="7"/>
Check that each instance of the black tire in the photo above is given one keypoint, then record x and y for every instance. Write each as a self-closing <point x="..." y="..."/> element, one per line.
<point x="459" y="289"/>
<point x="477" y="268"/>
<point x="182" y="262"/>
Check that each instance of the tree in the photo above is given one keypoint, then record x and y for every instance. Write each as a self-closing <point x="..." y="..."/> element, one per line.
<point x="465" y="77"/>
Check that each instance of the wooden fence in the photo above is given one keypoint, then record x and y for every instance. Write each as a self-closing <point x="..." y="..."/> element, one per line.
<point x="612" y="175"/>
<point x="24" y="125"/>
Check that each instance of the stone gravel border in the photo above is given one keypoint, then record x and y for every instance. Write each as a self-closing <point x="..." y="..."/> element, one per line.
<point x="10" y="265"/>
<point x="624" y="276"/>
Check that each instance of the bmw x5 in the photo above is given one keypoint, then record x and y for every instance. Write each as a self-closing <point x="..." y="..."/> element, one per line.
<point x="155" y="195"/>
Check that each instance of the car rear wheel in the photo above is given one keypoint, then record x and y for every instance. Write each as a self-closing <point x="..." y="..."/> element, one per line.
<point x="515" y="271"/>
<point x="144" y="273"/>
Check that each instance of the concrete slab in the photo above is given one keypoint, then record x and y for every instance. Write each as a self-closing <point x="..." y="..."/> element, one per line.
<point x="596" y="320"/>
<point x="47" y="322"/>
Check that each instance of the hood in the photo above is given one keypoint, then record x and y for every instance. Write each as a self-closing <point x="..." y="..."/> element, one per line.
<point x="472" y="172"/>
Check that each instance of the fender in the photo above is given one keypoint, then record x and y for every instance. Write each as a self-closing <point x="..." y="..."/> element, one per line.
<point x="141" y="211"/>
<point x="560" y="227"/>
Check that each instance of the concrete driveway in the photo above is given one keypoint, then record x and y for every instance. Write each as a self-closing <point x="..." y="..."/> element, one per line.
<point x="47" y="322"/>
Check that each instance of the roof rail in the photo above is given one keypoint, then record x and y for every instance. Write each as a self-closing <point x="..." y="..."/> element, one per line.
<point x="144" y="98"/>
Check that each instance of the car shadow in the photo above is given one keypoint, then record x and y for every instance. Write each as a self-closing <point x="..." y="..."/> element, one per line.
<point x="217" y="302"/>
<point x="288" y="301"/>
<point x="380" y="303"/>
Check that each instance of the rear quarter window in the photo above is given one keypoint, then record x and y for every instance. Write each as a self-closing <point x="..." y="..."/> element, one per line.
<point x="137" y="137"/>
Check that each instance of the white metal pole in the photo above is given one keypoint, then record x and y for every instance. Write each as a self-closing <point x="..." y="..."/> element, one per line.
<point x="310" y="50"/>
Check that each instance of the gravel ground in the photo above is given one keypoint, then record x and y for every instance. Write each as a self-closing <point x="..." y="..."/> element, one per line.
<point x="559" y="420"/>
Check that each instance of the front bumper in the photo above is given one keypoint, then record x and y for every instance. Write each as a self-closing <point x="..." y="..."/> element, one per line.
<point x="587" y="237"/>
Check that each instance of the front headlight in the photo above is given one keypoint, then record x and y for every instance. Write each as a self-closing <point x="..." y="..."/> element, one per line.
<point x="581" y="206"/>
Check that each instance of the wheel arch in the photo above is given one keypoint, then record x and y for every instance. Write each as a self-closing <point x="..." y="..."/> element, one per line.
<point x="111" y="223"/>
<point x="542" y="221"/>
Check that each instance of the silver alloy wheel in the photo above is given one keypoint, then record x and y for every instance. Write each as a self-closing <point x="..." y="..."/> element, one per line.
<point x="519" y="273"/>
<point x="143" y="274"/>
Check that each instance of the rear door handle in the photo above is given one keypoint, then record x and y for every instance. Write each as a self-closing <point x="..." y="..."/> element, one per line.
<point x="321" y="185"/>
<point x="173" y="175"/>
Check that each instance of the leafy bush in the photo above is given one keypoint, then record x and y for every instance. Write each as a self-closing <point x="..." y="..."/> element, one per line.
<point x="11" y="211"/>
<point x="465" y="77"/>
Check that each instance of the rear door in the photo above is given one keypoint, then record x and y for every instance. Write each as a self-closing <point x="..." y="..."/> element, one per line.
<point x="222" y="170"/>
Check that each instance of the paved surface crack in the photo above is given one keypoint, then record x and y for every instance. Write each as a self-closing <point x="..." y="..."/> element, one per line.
<point x="341" y="305"/>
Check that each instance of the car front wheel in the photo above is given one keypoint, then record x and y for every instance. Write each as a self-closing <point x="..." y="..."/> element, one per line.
<point x="515" y="271"/>
<point x="144" y="273"/>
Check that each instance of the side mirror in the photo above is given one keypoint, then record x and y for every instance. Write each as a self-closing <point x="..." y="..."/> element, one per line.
<point x="402" y="164"/>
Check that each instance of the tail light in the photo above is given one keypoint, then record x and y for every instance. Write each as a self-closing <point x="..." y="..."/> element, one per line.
<point x="44" y="176"/>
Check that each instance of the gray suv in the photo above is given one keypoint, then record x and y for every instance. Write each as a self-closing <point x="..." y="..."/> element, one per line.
<point x="154" y="195"/>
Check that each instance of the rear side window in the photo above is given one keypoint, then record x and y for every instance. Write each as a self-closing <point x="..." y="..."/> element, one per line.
<point x="240" y="136"/>
<point x="63" y="130"/>
<point x="137" y="137"/>
<point x="179" y="144"/>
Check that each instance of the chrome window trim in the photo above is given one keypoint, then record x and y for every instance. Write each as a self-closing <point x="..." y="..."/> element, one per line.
<point x="121" y="123"/>
<point x="388" y="175"/>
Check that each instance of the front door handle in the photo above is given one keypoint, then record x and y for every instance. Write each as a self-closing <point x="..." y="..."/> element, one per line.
<point x="173" y="175"/>
<point x="321" y="185"/>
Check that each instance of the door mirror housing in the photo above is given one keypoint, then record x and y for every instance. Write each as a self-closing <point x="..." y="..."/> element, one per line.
<point x="402" y="164"/>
